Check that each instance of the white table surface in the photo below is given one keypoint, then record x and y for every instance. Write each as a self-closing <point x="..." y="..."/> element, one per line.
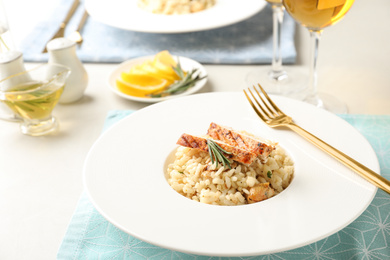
<point x="40" y="178"/>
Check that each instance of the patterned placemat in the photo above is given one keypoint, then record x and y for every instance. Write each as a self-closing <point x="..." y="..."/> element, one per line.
<point x="91" y="236"/>
<point x="246" y="42"/>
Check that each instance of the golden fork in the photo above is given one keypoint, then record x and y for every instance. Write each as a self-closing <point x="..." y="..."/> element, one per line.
<point x="274" y="117"/>
<point x="61" y="30"/>
<point x="76" y="35"/>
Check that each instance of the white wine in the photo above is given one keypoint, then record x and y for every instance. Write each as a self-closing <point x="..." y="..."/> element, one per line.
<point x="274" y="1"/>
<point x="317" y="14"/>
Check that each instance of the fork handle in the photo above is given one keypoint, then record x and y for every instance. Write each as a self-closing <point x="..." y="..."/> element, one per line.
<point x="82" y="20"/>
<point x="71" y="11"/>
<point x="357" y="167"/>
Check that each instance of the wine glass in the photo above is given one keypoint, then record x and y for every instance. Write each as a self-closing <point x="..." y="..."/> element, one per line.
<point x="315" y="15"/>
<point x="277" y="79"/>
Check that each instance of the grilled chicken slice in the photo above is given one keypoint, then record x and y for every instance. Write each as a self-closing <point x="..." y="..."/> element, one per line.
<point x="260" y="192"/>
<point x="237" y="154"/>
<point x="237" y="139"/>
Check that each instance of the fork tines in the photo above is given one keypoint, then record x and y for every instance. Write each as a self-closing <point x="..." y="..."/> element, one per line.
<point x="264" y="107"/>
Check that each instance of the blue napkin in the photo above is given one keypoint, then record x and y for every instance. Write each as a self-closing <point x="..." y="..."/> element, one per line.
<point x="246" y="42"/>
<point x="90" y="236"/>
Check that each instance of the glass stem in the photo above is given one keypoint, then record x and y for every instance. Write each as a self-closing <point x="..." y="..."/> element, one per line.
<point x="277" y="15"/>
<point x="313" y="79"/>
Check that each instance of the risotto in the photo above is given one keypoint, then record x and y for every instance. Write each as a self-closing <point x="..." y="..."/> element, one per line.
<point x="193" y="175"/>
<point x="169" y="7"/>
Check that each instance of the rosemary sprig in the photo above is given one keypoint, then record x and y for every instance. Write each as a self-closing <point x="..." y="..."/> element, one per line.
<point x="185" y="82"/>
<point x="217" y="154"/>
<point x="39" y="99"/>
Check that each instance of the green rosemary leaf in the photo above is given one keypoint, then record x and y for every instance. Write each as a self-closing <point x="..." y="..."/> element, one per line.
<point x="185" y="82"/>
<point x="25" y="106"/>
<point x="217" y="154"/>
<point x="211" y="153"/>
<point x="179" y="71"/>
<point x="220" y="148"/>
<point x="220" y="158"/>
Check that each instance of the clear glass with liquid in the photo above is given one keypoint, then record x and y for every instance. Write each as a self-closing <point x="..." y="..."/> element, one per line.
<point x="33" y="98"/>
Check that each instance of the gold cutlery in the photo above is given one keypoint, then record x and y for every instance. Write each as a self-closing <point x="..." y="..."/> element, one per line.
<point x="61" y="30"/>
<point x="274" y="117"/>
<point x="76" y="35"/>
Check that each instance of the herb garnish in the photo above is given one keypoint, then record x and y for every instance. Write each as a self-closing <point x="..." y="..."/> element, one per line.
<point x="217" y="153"/>
<point x="185" y="82"/>
<point x="269" y="174"/>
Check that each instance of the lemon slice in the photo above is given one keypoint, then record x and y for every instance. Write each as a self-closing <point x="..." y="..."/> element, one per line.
<point x="140" y="85"/>
<point x="165" y="70"/>
<point x="152" y="70"/>
<point x="151" y="76"/>
<point x="164" y="62"/>
<point x="165" y="58"/>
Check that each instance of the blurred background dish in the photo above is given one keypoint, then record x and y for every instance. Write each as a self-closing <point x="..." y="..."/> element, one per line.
<point x="125" y="14"/>
<point x="186" y="63"/>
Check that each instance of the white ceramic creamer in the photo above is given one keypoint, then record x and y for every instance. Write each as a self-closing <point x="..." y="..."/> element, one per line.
<point x="63" y="51"/>
<point x="11" y="63"/>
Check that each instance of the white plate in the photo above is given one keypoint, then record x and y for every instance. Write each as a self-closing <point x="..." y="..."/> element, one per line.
<point x="125" y="14"/>
<point x="124" y="178"/>
<point x="186" y="64"/>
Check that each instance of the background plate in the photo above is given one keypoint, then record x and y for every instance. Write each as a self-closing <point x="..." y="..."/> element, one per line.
<point x="186" y="64"/>
<point x="124" y="178"/>
<point x="125" y="14"/>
